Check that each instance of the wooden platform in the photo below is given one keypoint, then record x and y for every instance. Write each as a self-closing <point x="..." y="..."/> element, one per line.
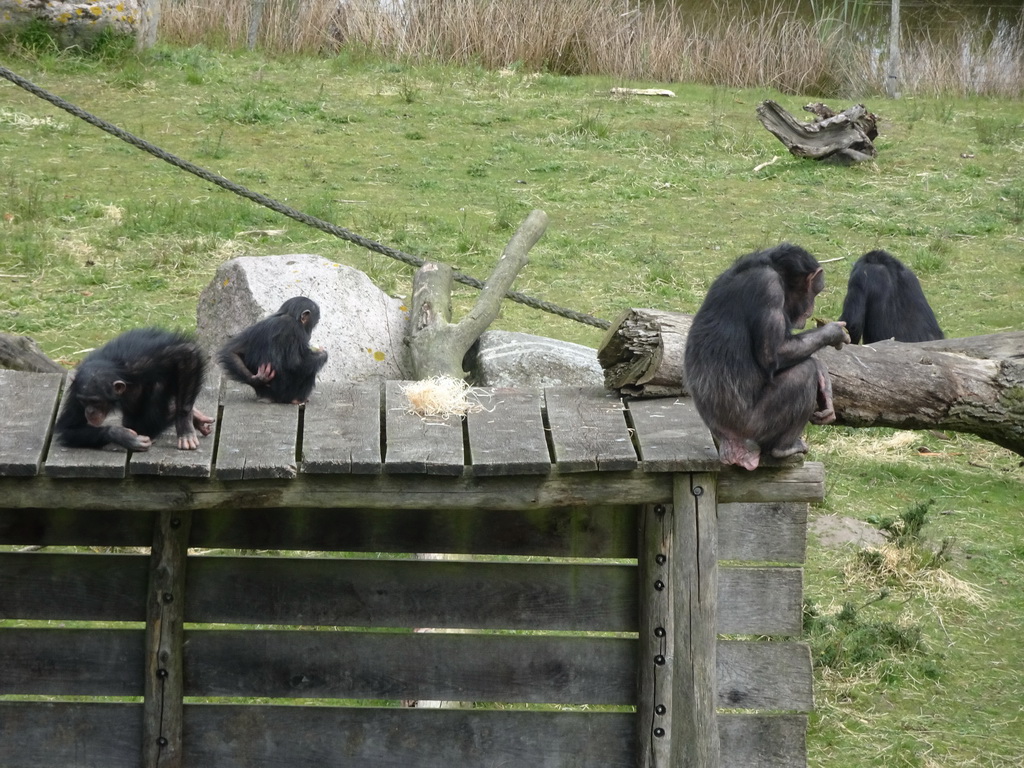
<point x="562" y="546"/>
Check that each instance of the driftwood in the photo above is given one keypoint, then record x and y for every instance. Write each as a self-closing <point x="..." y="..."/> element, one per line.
<point x="972" y="384"/>
<point x="843" y="138"/>
<point x="20" y="353"/>
<point x="437" y="346"/>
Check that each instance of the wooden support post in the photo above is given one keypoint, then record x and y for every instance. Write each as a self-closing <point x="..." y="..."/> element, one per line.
<point x="679" y="584"/>
<point x="165" y="613"/>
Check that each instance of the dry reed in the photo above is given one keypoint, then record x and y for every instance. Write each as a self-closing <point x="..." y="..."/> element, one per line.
<point x="620" y="38"/>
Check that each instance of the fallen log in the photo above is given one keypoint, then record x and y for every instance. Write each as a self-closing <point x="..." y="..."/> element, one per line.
<point x="842" y="138"/>
<point x="973" y="384"/>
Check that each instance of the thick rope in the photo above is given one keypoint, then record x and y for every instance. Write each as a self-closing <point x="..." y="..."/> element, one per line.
<point x="285" y="210"/>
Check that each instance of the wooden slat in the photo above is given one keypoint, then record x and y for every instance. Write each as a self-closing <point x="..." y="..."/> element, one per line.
<point x="399" y="491"/>
<point x="313" y="737"/>
<point x="656" y="707"/>
<point x="588" y="430"/>
<point x="69" y="735"/>
<point x="370" y="665"/>
<point x="81" y="587"/>
<point x="671" y="437"/>
<point x="98" y="528"/>
<point x="28" y="403"/>
<point x="800" y="482"/>
<point x="71" y="662"/>
<point x="765" y="676"/>
<point x="420" y="445"/>
<point x="164" y="457"/>
<point x="765" y="532"/>
<point x="90" y="587"/>
<point x="165" y="617"/>
<point x="693" y="584"/>
<point x="341" y="429"/>
<point x="507" y="437"/>
<point x="763" y="741"/>
<point x="595" y="531"/>
<point x="109" y="462"/>
<point x="380" y="593"/>
<point x="256" y="440"/>
<point x="760" y="601"/>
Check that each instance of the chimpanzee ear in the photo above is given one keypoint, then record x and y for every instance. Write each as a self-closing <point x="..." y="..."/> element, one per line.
<point x="119" y="387"/>
<point x="305" y="316"/>
<point x="815" y="282"/>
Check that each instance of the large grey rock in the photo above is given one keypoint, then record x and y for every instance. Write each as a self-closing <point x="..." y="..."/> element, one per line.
<point x="362" y="328"/>
<point x="508" y="359"/>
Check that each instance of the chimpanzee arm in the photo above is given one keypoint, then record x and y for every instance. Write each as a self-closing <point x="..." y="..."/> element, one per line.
<point x="230" y="357"/>
<point x="799" y="346"/>
<point x="74" y="431"/>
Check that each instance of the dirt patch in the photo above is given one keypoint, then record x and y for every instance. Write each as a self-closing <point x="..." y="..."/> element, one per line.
<point x="834" y="531"/>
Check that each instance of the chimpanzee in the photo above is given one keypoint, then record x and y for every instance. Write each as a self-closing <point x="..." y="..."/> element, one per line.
<point x="754" y="382"/>
<point x="153" y="376"/>
<point x="274" y="356"/>
<point x="884" y="300"/>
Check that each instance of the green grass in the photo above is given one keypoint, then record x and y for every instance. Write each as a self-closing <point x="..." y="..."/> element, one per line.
<point x="649" y="199"/>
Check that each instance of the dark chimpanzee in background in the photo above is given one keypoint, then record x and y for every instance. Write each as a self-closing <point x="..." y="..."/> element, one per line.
<point x="274" y="356"/>
<point x="884" y="300"/>
<point x="754" y="382"/>
<point x="153" y="376"/>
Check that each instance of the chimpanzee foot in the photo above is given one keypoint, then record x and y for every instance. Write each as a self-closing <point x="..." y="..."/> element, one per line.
<point x="782" y="452"/>
<point x="826" y="416"/>
<point x="743" y="453"/>
<point x="202" y="422"/>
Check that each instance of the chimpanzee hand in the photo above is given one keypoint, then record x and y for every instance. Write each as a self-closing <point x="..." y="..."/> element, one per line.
<point x="264" y="375"/>
<point x="840" y="334"/>
<point x="129" y="439"/>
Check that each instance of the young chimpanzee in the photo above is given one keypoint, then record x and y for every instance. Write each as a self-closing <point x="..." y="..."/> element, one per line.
<point x="884" y="300"/>
<point x="274" y="356"/>
<point x="153" y="376"/>
<point x="753" y="381"/>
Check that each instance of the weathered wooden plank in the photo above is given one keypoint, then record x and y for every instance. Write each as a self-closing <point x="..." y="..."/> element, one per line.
<point x="589" y="430"/>
<point x="799" y="482"/>
<point x="312" y="737"/>
<point x="671" y="437"/>
<point x="595" y="531"/>
<point x="69" y="735"/>
<point x="165" y="616"/>
<point x="656" y="706"/>
<point x="341" y="429"/>
<point x="255" y="440"/>
<point x="399" y="491"/>
<point x="693" y="575"/>
<point x="109" y="462"/>
<point x="760" y="601"/>
<point x="164" y="457"/>
<point x="770" y="675"/>
<point x="71" y="662"/>
<point x="763" y="741"/>
<point x="417" y="444"/>
<point x="80" y="587"/>
<point x="373" y="665"/>
<point x="507" y="438"/>
<point x="763" y="532"/>
<point x="28" y="403"/>
<point x="405" y="593"/>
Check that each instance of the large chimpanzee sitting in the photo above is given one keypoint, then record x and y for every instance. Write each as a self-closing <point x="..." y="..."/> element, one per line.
<point x="884" y="300"/>
<point x="274" y="356"/>
<point x="153" y="376"/>
<point x="753" y="381"/>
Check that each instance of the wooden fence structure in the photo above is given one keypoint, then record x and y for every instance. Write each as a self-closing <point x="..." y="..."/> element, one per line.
<point x="608" y="594"/>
